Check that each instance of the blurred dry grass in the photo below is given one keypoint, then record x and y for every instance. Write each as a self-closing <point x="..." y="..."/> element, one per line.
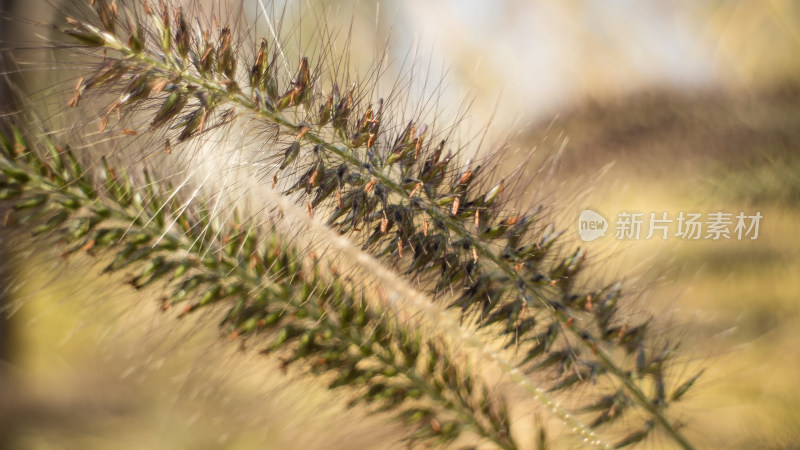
<point x="735" y="305"/>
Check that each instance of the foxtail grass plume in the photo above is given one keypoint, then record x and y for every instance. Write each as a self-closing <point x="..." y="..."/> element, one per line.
<point x="170" y="90"/>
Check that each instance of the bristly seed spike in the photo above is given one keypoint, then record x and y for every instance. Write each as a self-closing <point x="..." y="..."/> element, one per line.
<point x="402" y="180"/>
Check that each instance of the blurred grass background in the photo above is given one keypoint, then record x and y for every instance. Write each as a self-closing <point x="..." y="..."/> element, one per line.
<point x="656" y="106"/>
<point x="733" y="304"/>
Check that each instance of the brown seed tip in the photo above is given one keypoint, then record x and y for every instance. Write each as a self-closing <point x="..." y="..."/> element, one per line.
<point x="384" y="224"/>
<point x="88" y="246"/>
<point x="302" y="132"/>
<point x="417" y="187"/>
<point x="371" y="185"/>
<point x="73" y="102"/>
